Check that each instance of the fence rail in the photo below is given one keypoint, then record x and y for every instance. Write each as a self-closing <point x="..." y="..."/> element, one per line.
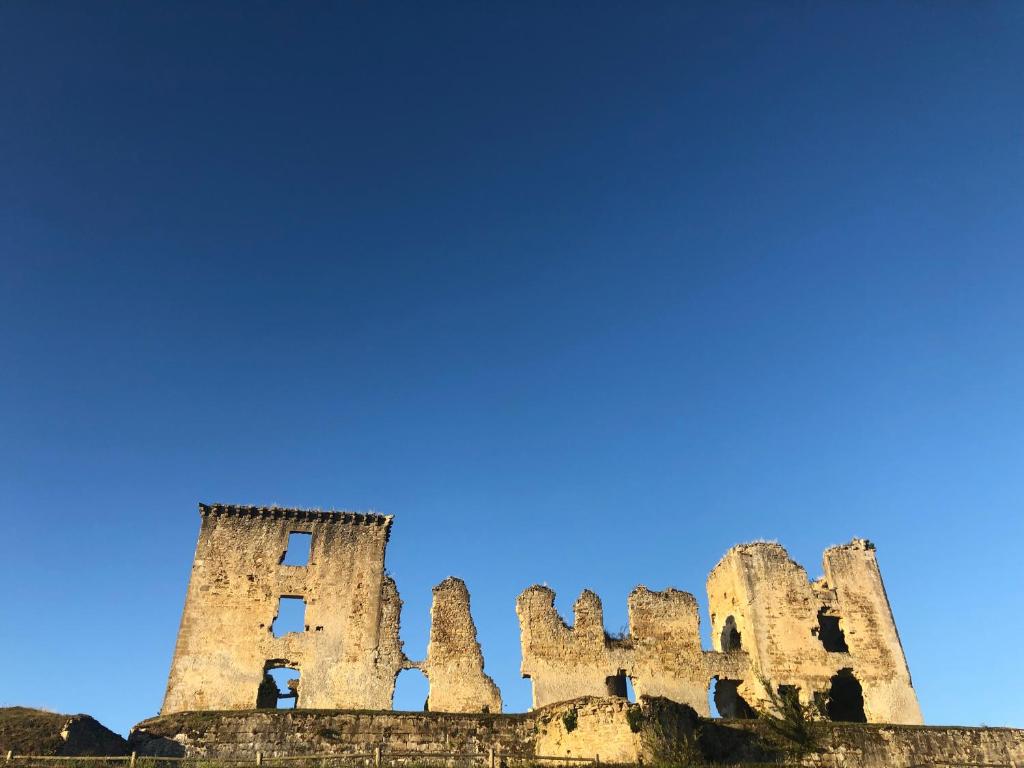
<point x="379" y="758"/>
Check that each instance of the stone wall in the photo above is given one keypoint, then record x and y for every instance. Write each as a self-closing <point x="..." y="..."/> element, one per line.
<point x="834" y="640"/>
<point x="654" y="731"/>
<point x="865" y="745"/>
<point x="565" y="662"/>
<point x="804" y="634"/>
<point x="348" y="653"/>
<point x="455" y="665"/>
<point x="315" y="732"/>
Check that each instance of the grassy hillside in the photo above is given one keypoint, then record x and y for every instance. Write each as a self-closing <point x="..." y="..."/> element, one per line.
<point x="31" y="731"/>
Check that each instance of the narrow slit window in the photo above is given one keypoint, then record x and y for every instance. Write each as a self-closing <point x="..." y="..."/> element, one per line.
<point x="291" y="616"/>
<point x="298" y="548"/>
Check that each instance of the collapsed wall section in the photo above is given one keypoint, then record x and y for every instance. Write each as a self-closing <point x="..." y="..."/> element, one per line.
<point x="567" y="662"/>
<point x="455" y="664"/>
<point x="832" y="642"/>
<point x="667" y="657"/>
<point x="346" y="650"/>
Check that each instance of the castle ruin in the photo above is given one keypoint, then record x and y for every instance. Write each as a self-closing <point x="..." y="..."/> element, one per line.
<point x="832" y="642"/>
<point x="345" y="653"/>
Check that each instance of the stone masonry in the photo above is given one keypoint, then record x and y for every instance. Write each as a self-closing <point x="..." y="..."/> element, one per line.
<point x="455" y="666"/>
<point x="832" y="642"/>
<point x="346" y="654"/>
<point x="652" y="730"/>
<point x="805" y="634"/>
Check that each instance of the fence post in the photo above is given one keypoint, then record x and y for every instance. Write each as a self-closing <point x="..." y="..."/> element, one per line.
<point x="259" y="758"/>
<point x="10" y="755"/>
<point x="131" y="762"/>
<point x="490" y="757"/>
<point x="376" y="756"/>
<point x="597" y="759"/>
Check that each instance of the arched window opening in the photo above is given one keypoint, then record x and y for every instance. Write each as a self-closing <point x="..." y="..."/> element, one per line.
<point x="831" y="634"/>
<point x="845" y="699"/>
<point x="279" y="688"/>
<point x="730" y="636"/>
<point x="728" y="702"/>
<point x="412" y="691"/>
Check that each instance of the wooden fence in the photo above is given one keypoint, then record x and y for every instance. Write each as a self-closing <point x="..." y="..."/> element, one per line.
<point x="377" y="759"/>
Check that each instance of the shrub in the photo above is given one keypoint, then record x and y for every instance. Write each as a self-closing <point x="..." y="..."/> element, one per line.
<point x="635" y="718"/>
<point x="569" y="719"/>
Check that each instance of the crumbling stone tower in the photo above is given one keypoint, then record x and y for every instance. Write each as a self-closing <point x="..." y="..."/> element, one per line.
<point x="455" y="665"/>
<point x="813" y="636"/>
<point x="346" y="653"/>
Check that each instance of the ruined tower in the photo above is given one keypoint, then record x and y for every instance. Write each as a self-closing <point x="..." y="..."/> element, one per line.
<point x="455" y="665"/>
<point x="813" y="636"/>
<point x="345" y="652"/>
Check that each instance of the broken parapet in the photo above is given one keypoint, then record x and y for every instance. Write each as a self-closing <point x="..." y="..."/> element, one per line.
<point x="455" y="665"/>
<point x="566" y="662"/>
<point x="347" y="651"/>
<point x="668" y="660"/>
<point x="661" y="655"/>
<point x="834" y="641"/>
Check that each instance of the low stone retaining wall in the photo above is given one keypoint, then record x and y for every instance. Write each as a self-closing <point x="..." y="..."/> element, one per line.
<point x="281" y="733"/>
<point x="872" y="745"/>
<point x="619" y="732"/>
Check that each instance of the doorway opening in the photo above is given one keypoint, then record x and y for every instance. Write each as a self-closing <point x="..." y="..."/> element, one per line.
<point x="845" y="699"/>
<point x="727" y="701"/>
<point x="412" y="691"/>
<point x="279" y="688"/>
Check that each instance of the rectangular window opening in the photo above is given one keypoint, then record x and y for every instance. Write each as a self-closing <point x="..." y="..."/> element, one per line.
<point x="298" y="548"/>
<point x="291" y="616"/>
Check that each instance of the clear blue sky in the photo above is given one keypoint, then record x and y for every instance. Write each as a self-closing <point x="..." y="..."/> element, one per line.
<point x="581" y="294"/>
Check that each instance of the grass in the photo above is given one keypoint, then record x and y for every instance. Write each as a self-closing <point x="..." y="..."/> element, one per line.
<point x="28" y="731"/>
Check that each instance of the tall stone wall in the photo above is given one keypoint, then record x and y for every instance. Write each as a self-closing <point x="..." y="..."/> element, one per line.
<point x="870" y="630"/>
<point x="667" y="658"/>
<point x="834" y="640"/>
<point x="566" y="662"/>
<point x="348" y="652"/>
<point x="455" y="665"/>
